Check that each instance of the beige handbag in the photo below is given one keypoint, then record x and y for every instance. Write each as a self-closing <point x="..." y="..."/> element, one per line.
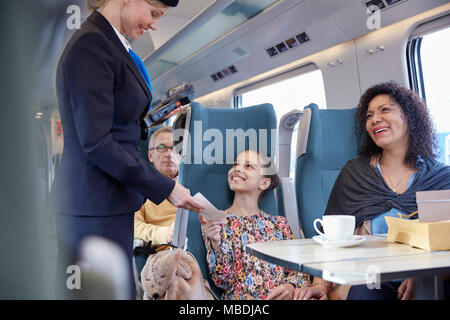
<point x="431" y="236"/>
<point x="174" y="275"/>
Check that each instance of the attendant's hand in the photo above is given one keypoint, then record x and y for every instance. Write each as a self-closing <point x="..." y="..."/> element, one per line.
<point x="317" y="292"/>
<point x="406" y="289"/>
<point x="212" y="230"/>
<point x="282" y="292"/>
<point x="181" y="198"/>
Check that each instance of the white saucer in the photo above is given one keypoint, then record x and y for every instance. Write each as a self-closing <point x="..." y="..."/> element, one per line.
<point x="353" y="241"/>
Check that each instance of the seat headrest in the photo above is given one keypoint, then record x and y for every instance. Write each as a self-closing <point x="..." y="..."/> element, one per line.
<point x="180" y="129"/>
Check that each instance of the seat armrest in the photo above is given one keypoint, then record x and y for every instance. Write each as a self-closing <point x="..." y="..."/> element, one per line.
<point x="138" y="243"/>
<point x="290" y="206"/>
<point x="180" y="228"/>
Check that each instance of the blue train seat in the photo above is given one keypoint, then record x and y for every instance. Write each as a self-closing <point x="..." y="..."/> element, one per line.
<point x="326" y="141"/>
<point x="206" y="160"/>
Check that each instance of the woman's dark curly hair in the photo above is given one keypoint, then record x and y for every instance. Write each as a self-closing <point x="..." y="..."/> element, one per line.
<point x="422" y="135"/>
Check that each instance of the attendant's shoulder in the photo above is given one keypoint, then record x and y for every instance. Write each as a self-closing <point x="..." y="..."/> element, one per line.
<point x="89" y="38"/>
<point x="92" y="48"/>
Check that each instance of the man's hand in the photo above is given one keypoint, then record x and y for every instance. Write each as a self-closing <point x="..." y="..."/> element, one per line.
<point x="406" y="289"/>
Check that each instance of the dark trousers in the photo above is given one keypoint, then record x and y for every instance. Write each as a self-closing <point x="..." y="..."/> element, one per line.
<point x="71" y="230"/>
<point x="388" y="291"/>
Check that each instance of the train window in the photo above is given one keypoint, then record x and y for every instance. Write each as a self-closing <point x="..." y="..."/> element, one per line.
<point x="286" y="92"/>
<point x="290" y="93"/>
<point x="432" y="68"/>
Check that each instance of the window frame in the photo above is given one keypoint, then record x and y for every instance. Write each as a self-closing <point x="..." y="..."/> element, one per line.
<point x="415" y="71"/>
<point x="303" y="69"/>
<point x="413" y="51"/>
<point x="414" y="59"/>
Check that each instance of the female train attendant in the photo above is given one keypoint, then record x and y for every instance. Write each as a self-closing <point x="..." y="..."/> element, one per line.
<point x="103" y="91"/>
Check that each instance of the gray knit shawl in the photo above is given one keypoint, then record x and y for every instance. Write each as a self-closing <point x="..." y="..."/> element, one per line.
<point x="360" y="190"/>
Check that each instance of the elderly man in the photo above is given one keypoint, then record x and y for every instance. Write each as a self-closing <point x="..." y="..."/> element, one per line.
<point x="153" y="222"/>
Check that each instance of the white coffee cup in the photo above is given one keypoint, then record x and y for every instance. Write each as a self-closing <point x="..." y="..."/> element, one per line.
<point x="336" y="227"/>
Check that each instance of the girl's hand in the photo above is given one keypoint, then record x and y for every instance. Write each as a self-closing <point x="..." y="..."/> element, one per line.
<point x="317" y="292"/>
<point x="212" y="230"/>
<point x="282" y="292"/>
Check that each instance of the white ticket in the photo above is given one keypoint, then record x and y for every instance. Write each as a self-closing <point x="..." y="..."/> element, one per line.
<point x="210" y="213"/>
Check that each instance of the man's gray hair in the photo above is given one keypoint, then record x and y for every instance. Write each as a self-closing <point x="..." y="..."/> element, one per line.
<point x="157" y="133"/>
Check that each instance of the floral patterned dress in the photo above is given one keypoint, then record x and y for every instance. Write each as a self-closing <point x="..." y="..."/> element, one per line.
<point x="241" y="275"/>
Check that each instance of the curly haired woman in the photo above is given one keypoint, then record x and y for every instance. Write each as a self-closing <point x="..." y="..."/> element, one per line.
<point x="396" y="159"/>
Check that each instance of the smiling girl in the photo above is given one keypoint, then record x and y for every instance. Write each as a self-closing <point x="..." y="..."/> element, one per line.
<point x="241" y="275"/>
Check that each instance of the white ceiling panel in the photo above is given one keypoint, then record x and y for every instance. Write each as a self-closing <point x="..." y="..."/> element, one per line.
<point x="327" y="22"/>
<point x="189" y="8"/>
<point x="176" y="19"/>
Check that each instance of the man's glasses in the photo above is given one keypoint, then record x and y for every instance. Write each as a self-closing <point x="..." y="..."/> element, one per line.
<point x="162" y="148"/>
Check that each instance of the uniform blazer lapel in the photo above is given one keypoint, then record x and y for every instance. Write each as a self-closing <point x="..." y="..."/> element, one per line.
<point x="100" y="21"/>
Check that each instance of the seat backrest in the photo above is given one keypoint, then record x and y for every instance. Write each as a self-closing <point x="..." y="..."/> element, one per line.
<point x="213" y="143"/>
<point x="144" y="143"/>
<point x="330" y="141"/>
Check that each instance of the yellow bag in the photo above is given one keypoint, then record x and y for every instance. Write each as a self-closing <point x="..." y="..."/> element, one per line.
<point x="431" y="236"/>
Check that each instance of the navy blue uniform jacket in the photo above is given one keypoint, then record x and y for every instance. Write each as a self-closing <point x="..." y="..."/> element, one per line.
<point x="102" y="97"/>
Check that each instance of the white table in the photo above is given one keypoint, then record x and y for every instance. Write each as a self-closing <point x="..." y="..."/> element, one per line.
<point x="371" y="262"/>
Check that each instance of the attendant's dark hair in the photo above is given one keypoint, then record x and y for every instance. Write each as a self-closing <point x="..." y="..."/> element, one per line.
<point x="421" y="132"/>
